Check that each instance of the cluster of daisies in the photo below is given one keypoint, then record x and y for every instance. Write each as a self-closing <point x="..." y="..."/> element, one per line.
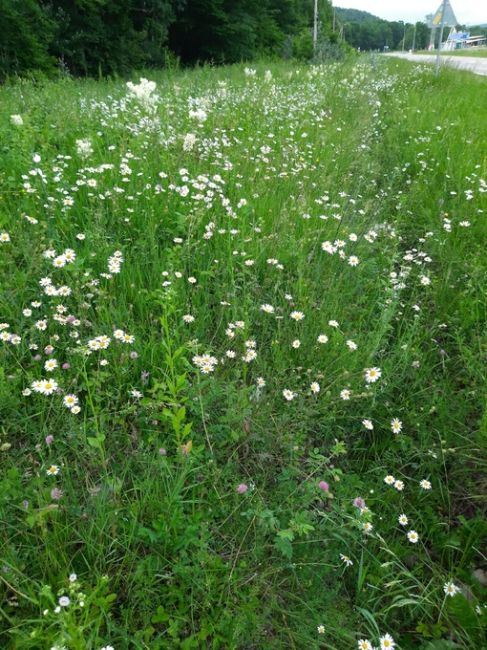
<point x="9" y="337"/>
<point x="61" y="316"/>
<point x="72" y="599"/>
<point x="115" y="262"/>
<point x="371" y="375"/>
<point x="205" y="362"/>
<point x="103" y="341"/>
<point x="403" y="520"/>
<point x="386" y="642"/>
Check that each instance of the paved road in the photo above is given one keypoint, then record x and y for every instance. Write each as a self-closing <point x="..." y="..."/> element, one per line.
<point x="476" y="65"/>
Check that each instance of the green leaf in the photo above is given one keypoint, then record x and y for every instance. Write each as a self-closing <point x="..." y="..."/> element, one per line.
<point x="96" y="441"/>
<point x="287" y="533"/>
<point x="161" y="616"/>
<point x="402" y="602"/>
<point x="370" y="618"/>
<point x="284" y="546"/>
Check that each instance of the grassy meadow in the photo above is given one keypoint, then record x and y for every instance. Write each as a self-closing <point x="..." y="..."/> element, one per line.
<point x="243" y="346"/>
<point x="476" y="52"/>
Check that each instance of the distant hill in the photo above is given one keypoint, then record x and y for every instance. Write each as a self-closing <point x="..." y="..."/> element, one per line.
<point x="476" y="30"/>
<point x="365" y="31"/>
<point x="355" y="15"/>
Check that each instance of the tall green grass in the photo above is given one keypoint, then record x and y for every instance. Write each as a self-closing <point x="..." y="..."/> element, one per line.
<point x="206" y="509"/>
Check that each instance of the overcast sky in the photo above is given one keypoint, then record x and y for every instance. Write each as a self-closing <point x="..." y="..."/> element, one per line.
<point x="466" y="11"/>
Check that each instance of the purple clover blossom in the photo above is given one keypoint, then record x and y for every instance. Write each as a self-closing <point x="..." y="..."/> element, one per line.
<point x="56" y="494"/>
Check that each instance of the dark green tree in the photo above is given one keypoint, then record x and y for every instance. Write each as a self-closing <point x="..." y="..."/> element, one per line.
<point x="26" y="33"/>
<point x="106" y="37"/>
<point x="96" y="36"/>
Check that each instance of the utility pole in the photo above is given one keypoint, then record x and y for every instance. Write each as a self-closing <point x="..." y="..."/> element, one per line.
<point x="414" y="37"/>
<point x="404" y="37"/>
<point x="315" y="27"/>
<point x="442" y="27"/>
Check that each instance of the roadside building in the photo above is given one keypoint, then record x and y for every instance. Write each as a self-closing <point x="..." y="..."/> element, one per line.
<point x="463" y="41"/>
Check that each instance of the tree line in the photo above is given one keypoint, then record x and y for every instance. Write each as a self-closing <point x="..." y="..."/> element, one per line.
<point x="105" y="37"/>
<point x="368" y="32"/>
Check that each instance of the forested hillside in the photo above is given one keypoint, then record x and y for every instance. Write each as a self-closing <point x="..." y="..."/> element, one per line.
<point x="91" y="37"/>
<point x="367" y="32"/>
